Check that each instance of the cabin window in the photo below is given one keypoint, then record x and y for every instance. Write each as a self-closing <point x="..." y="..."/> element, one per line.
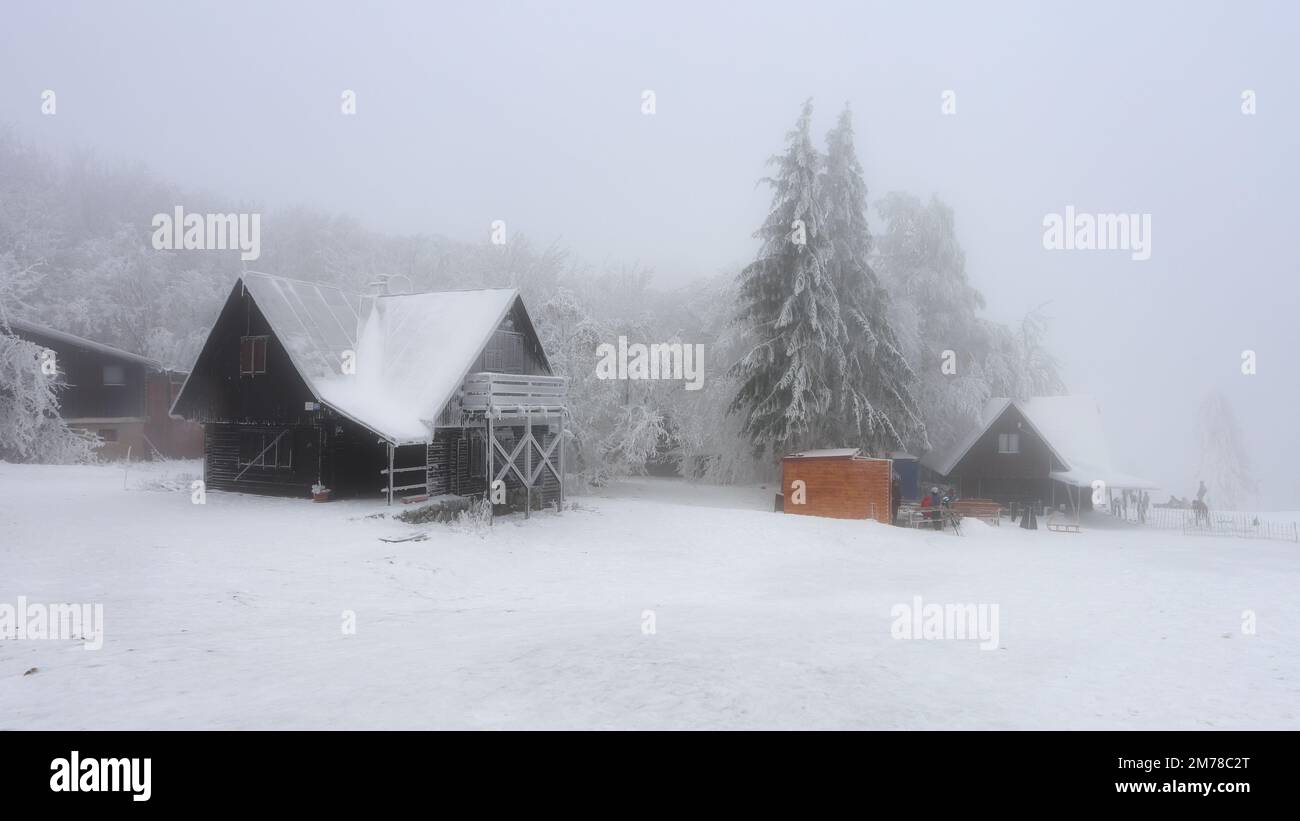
<point x="504" y="353"/>
<point x="265" y="449"/>
<point x="252" y="355"/>
<point x="114" y="375"/>
<point x="1008" y="443"/>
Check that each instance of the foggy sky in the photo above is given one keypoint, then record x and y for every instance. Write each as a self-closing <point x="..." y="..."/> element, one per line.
<point x="531" y="113"/>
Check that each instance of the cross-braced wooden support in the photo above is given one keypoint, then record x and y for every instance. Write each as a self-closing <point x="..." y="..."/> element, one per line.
<point x="530" y="460"/>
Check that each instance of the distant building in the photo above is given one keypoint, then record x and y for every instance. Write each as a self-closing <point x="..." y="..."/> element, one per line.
<point x="122" y="397"/>
<point x="1047" y="449"/>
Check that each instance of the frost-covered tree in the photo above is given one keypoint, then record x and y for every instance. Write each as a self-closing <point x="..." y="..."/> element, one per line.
<point x="788" y="299"/>
<point x="961" y="359"/>
<point x="31" y="429"/>
<point x="614" y="425"/>
<point x="935" y="313"/>
<point x="710" y="441"/>
<point x="873" y="405"/>
<point x="1224" y="464"/>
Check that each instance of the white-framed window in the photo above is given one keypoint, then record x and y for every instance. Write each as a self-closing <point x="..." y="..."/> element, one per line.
<point x="114" y="375"/>
<point x="1008" y="443"/>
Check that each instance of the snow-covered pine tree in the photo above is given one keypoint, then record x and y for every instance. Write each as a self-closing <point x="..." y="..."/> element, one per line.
<point x="787" y="298"/>
<point x="873" y="405"/>
<point x="1224" y="464"/>
<point x="935" y="310"/>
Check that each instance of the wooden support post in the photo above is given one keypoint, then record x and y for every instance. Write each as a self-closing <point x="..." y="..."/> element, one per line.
<point x="528" y="464"/>
<point x="390" y="473"/>
<point x="559" y="431"/>
<point x="491" y="471"/>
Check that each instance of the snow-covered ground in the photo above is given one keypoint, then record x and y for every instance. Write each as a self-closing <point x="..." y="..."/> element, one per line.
<point x="230" y="615"/>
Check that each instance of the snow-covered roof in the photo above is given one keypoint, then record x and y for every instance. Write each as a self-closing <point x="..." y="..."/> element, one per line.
<point x="828" y="453"/>
<point x="1071" y="428"/>
<point x="411" y="351"/>
<point x="23" y="326"/>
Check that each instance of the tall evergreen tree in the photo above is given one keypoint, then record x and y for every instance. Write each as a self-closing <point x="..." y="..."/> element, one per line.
<point x="935" y="311"/>
<point x="788" y="299"/>
<point x="1224" y="464"/>
<point x="874" y="406"/>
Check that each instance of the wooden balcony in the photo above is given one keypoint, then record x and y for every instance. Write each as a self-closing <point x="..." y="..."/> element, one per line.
<point x="513" y="394"/>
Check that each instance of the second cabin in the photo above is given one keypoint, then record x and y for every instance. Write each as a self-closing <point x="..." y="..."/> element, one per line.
<point x="302" y="387"/>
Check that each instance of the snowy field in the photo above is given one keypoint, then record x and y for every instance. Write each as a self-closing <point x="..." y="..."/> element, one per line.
<point x="229" y="615"/>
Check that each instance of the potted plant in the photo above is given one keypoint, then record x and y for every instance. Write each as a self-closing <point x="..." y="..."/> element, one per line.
<point x="320" y="493"/>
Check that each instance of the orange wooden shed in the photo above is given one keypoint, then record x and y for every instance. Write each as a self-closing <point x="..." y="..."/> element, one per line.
<point x="839" y="483"/>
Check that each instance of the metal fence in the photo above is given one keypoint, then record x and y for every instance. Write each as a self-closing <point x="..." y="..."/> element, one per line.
<point x="1243" y="525"/>
<point x="1218" y="523"/>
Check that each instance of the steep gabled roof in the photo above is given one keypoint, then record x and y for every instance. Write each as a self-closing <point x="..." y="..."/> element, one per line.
<point x="411" y="352"/>
<point x="22" y="325"/>
<point x="316" y="323"/>
<point x="1070" y="427"/>
<point x="943" y="460"/>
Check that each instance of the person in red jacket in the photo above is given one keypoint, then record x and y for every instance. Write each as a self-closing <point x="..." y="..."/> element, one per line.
<point x="930" y="501"/>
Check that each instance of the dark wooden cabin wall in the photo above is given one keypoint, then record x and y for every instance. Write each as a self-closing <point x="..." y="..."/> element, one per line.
<point x="534" y="361"/>
<point x="217" y="392"/>
<point x="85" y="394"/>
<point x="451" y="459"/>
<point x="221" y="460"/>
<point x="1006" y="477"/>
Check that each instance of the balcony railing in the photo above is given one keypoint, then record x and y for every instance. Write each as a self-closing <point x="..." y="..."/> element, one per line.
<point x="508" y="393"/>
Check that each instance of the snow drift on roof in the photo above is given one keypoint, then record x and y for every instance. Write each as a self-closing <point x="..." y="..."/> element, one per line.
<point x="412" y="351"/>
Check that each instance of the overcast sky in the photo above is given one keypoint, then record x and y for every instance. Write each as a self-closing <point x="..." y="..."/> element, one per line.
<point x="531" y="113"/>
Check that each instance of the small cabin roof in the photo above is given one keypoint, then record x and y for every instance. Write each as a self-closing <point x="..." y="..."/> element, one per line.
<point x="22" y="325"/>
<point x="826" y="453"/>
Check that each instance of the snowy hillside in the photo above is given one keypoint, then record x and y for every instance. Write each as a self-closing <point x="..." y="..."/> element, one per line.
<point x="228" y="615"/>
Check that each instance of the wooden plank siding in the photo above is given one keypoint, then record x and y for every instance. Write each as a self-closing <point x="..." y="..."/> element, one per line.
<point x="222" y="470"/>
<point x="839" y="487"/>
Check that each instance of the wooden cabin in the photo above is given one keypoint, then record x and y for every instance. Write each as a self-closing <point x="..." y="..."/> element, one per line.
<point x="1046" y="451"/>
<point x="839" y="483"/>
<point x="122" y="397"/>
<point x="302" y="384"/>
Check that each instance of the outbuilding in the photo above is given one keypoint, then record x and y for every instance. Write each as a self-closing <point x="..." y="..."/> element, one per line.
<point x="839" y="483"/>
